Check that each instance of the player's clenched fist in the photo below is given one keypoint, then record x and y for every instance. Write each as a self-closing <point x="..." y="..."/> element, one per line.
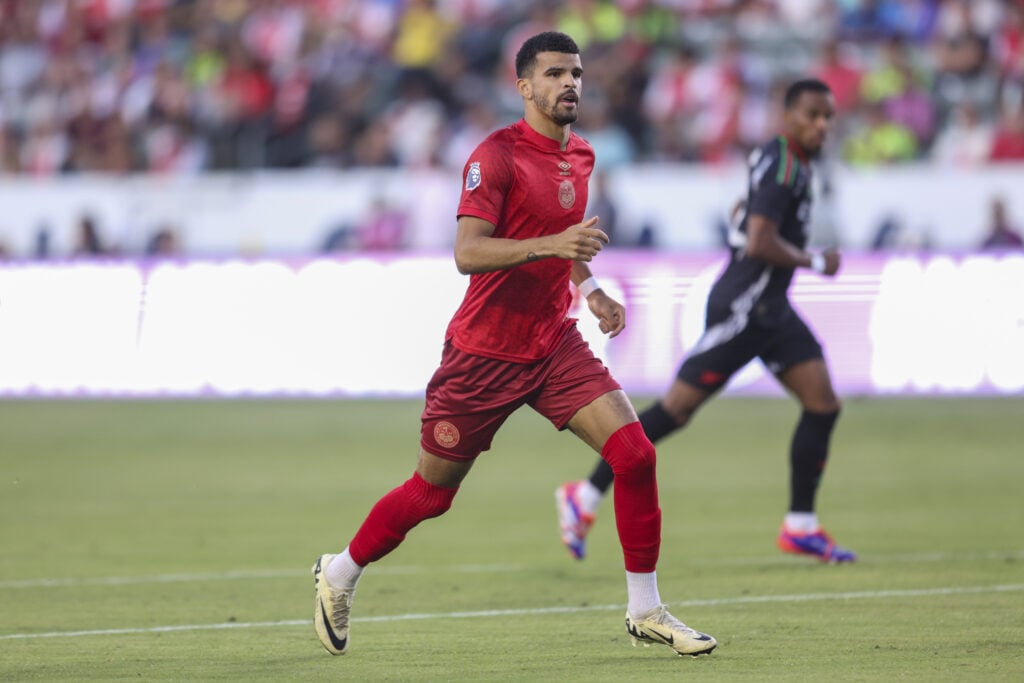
<point x="580" y="242"/>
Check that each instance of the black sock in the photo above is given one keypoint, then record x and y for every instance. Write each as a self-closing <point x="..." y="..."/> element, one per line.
<point x="602" y="475"/>
<point x="807" y="455"/>
<point x="657" y="425"/>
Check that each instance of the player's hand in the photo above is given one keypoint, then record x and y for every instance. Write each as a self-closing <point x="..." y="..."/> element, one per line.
<point x="580" y="242"/>
<point x="832" y="260"/>
<point x="611" y="315"/>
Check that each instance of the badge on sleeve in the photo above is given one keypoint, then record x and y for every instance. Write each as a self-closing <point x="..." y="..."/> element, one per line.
<point x="473" y="176"/>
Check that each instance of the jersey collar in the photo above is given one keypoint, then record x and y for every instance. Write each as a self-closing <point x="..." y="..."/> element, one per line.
<point x="797" y="150"/>
<point x="543" y="141"/>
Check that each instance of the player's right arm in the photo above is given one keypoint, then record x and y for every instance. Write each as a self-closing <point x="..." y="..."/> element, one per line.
<point x="478" y="251"/>
<point x="764" y="243"/>
<point x="771" y="181"/>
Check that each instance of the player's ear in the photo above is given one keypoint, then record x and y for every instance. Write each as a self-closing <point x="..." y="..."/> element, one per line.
<point x="525" y="88"/>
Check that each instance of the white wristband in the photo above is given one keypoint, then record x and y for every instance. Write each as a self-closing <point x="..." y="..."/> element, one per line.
<point x="588" y="286"/>
<point x="818" y="262"/>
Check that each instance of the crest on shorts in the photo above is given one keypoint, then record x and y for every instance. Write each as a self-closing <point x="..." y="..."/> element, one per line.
<point x="473" y="176"/>
<point x="446" y="434"/>
<point x="566" y="194"/>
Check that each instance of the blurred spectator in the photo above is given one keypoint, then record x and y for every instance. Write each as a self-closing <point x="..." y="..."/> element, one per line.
<point x="841" y="73"/>
<point x="911" y="105"/>
<point x="1001" y="233"/>
<point x="1008" y="139"/>
<point x="719" y="86"/>
<point x="41" y="248"/>
<point x="612" y="144"/>
<point x="964" y="70"/>
<point x="88" y="243"/>
<point x="670" y="102"/>
<point x="878" y="140"/>
<point x="966" y="140"/>
<point x="182" y="86"/>
<point x="164" y="242"/>
<point x="603" y="206"/>
<point x="383" y="228"/>
<point x="242" y="99"/>
<point x="46" y="149"/>
<point x="421" y="35"/>
<point x="373" y="146"/>
<point x="591" y="22"/>
<point x="475" y="122"/>
<point x="1008" y="41"/>
<point x="327" y="142"/>
<point x="415" y="119"/>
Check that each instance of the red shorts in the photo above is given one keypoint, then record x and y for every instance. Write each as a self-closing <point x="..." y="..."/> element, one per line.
<point x="470" y="397"/>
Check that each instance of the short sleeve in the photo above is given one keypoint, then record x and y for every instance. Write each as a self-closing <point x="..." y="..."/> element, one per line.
<point x="771" y="186"/>
<point x="486" y="181"/>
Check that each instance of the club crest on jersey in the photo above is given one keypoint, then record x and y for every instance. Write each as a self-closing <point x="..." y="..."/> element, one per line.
<point x="446" y="434"/>
<point x="566" y="194"/>
<point x="473" y="176"/>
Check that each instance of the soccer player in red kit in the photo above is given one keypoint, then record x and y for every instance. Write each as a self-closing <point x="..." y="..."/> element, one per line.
<point x="522" y="238"/>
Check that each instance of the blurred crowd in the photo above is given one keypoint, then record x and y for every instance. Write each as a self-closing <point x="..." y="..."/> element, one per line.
<point x="183" y="86"/>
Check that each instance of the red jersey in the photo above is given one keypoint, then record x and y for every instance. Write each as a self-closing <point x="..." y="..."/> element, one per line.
<point x="527" y="186"/>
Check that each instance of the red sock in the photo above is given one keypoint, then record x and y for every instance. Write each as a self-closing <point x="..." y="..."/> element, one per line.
<point x="637" y="515"/>
<point x="395" y="514"/>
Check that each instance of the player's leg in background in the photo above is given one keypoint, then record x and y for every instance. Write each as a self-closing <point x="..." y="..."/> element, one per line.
<point x="577" y="502"/>
<point x="669" y="414"/>
<point x="811" y="383"/>
<point x="701" y="375"/>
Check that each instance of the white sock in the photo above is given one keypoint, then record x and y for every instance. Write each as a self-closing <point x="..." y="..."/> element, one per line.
<point x="343" y="572"/>
<point x="643" y="593"/>
<point x="801" y="522"/>
<point x="588" y="496"/>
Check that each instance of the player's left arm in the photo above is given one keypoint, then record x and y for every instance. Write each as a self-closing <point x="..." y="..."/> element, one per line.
<point x="764" y="243"/>
<point x="611" y="315"/>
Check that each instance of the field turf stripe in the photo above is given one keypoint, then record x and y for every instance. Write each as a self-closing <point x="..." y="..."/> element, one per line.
<point x="712" y="602"/>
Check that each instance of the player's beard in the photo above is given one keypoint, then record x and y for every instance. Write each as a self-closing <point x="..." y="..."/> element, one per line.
<point x="565" y="118"/>
<point x="561" y="117"/>
<point x="815" y="152"/>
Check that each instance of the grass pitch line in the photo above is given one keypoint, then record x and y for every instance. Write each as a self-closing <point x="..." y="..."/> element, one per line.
<point x="536" y="611"/>
<point x="241" y="575"/>
<point x="244" y="575"/>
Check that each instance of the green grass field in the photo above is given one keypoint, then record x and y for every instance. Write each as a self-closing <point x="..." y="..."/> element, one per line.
<point x="173" y="540"/>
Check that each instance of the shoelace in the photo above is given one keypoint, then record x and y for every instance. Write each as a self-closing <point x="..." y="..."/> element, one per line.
<point x="341" y="601"/>
<point x="665" y="618"/>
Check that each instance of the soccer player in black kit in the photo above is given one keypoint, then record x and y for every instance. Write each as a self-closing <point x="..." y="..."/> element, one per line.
<point x="749" y="316"/>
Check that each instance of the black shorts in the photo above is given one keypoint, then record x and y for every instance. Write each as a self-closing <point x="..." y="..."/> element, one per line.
<point x="730" y="341"/>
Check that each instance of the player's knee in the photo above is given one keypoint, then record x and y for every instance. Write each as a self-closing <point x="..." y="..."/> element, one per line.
<point x="645" y="457"/>
<point x="630" y="452"/>
<point x="822" y="421"/>
<point x="432" y="500"/>
<point x="831" y="408"/>
<point x="824" y="405"/>
<point x="681" y="415"/>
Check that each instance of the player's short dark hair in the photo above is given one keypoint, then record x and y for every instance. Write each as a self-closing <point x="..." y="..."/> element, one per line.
<point x="549" y="41"/>
<point x="798" y="88"/>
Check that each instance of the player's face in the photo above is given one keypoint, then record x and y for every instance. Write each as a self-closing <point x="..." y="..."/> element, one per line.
<point x="809" y="120"/>
<point x="554" y="86"/>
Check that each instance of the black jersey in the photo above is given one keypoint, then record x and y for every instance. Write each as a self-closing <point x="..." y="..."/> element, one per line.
<point x="780" y="190"/>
